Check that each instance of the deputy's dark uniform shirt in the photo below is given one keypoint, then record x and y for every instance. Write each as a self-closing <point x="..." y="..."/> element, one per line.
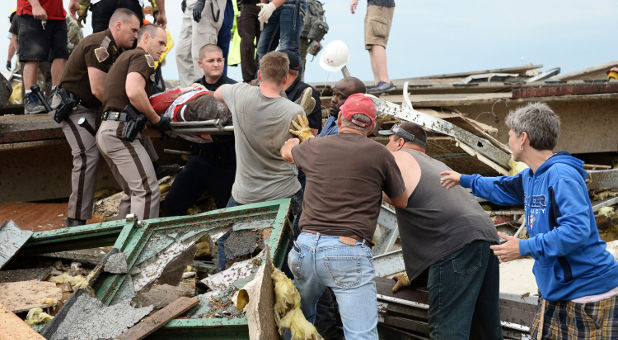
<point x="97" y="50"/>
<point x="115" y="96"/>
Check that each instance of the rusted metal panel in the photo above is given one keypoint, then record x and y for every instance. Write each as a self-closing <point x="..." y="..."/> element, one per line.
<point x="564" y="90"/>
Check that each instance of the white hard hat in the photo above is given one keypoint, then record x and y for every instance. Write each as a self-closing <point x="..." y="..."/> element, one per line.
<point x="335" y="56"/>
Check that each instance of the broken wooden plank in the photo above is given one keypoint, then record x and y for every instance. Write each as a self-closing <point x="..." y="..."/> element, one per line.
<point x="12" y="238"/>
<point x="13" y="327"/>
<point x="517" y="69"/>
<point x="564" y="90"/>
<point x="17" y="275"/>
<point x="594" y="72"/>
<point x="22" y="296"/>
<point x="602" y="179"/>
<point x="430" y="123"/>
<point x="150" y="324"/>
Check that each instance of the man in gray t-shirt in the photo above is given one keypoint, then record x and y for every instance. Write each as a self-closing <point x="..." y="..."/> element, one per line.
<point x="261" y="118"/>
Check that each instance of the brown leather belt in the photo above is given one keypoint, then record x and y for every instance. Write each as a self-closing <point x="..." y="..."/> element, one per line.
<point x="350" y="240"/>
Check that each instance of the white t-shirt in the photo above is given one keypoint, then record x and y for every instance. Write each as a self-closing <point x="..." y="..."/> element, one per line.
<point x="261" y="127"/>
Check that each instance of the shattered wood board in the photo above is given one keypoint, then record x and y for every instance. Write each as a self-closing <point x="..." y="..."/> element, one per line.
<point x="159" y="319"/>
<point x="88" y="318"/>
<point x="252" y="225"/>
<point x="17" y="275"/>
<point x="90" y="256"/>
<point x="135" y="240"/>
<point x="13" y="327"/>
<point x="24" y="295"/>
<point x="12" y="238"/>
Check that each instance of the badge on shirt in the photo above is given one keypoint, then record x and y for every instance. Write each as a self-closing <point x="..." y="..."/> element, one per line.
<point x="101" y="54"/>
<point x="150" y="60"/>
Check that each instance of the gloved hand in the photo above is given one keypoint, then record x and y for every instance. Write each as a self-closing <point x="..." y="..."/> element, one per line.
<point x="197" y="10"/>
<point x="8" y="65"/>
<point x="183" y="5"/>
<point x="266" y="11"/>
<point x="402" y="281"/>
<point x="163" y="124"/>
<point x="306" y="100"/>
<point x="303" y="131"/>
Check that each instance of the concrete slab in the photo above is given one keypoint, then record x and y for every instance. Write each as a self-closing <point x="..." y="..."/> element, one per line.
<point x="12" y="238"/>
<point x="116" y="264"/>
<point x="88" y="318"/>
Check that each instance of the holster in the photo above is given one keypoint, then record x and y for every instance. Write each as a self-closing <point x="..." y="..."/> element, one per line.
<point x="134" y="124"/>
<point x="68" y="102"/>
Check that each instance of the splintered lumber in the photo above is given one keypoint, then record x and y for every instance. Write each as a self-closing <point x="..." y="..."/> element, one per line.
<point x="13" y="327"/>
<point x="150" y="324"/>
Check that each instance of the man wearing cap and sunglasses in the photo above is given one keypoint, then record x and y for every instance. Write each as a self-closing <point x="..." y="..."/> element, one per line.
<point x="445" y="238"/>
<point x="346" y="175"/>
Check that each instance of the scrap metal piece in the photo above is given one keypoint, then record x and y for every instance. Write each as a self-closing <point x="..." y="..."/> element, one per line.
<point x="481" y="145"/>
<point x="545" y="75"/>
<point x="12" y="238"/>
<point x="387" y="221"/>
<point x="253" y="225"/>
<point x="153" y="270"/>
<point x="389" y="263"/>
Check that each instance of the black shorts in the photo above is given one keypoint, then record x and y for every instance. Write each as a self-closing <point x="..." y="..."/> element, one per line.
<point x="38" y="44"/>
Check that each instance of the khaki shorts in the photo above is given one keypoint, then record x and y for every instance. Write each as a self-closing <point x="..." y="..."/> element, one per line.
<point x="378" y="22"/>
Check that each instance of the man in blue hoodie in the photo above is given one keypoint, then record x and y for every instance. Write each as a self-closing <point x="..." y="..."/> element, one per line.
<point x="577" y="277"/>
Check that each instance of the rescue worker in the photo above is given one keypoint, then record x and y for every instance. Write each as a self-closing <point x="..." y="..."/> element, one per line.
<point x="82" y="81"/>
<point x="126" y="109"/>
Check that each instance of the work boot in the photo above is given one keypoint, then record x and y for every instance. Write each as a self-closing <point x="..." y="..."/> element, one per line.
<point x="73" y="222"/>
<point x="32" y="105"/>
<point x="166" y="170"/>
<point x="381" y="87"/>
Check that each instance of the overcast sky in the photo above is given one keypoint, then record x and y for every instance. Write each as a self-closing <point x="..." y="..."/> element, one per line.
<point x="433" y="36"/>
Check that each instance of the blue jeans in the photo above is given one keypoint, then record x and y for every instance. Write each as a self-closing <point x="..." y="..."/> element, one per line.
<point x="225" y="33"/>
<point x="283" y="29"/>
<point x="320" y="261"/>
<point x="295" y="206"/>
<point x="464" y="294"/>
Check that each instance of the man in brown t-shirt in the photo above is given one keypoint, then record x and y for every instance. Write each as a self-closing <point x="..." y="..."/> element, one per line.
<point x="84" y="77"/>
<point x="346" y="175"/>
<point x="129" y="82"/>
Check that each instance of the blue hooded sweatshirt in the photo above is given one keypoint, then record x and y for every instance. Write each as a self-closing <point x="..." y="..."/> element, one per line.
<point x="571" y="260"/>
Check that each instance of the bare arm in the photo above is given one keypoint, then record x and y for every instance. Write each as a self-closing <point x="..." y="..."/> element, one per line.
<point x="97" y="82"/>
<point x="38" y="12"/>
<point x="161" y="18"/>
<point x="400" y="201"/>
<point x="278" y="3"/>
<point x="137" y="96"/>
<point x="353" y="6"/>
<point x="286" y="149"/>
<point x="74" y="8"/>
<point x="217" y="94"/>
<point x="12" y="46"/>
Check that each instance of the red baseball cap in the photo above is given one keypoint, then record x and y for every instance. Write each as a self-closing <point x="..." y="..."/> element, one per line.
<point x="358" y="103"/>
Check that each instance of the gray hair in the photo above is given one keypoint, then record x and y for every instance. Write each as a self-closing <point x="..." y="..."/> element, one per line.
<point x="361" y="118"/>
<point x="540" y="123"/>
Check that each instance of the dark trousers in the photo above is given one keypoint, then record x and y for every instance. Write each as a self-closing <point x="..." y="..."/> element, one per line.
<point x="464" y="294"/>
<point x="225" y="33"/>
<point x="102" y="11"/>
<point x="198" y="175"/>
<point x="249" y="31"/>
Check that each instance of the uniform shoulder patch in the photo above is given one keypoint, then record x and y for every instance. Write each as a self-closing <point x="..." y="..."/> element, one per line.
<point x="101" y="54"/>
<point x="150" y="60"/>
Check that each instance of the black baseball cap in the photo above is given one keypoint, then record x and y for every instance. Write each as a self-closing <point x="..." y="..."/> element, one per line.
<point x="409" y="131"/>
<point x="294" y="60"/>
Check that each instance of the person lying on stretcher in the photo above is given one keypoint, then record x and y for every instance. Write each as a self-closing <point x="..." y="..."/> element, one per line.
<point x="193" y="103"/>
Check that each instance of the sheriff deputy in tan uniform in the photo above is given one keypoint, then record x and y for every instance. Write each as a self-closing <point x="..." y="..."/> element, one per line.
<point x="128" y="84"/>
<point x="82" y="89"/>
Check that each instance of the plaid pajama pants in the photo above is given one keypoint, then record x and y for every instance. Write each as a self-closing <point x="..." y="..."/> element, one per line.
<point x="570" y="320"/>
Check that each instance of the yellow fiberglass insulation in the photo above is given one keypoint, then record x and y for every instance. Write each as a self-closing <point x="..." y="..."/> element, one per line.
<point x="287" y="309"/>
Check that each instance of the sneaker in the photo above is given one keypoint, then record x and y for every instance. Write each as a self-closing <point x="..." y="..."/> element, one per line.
<point x="32" y="105"/>
<point x="381" y="88"/>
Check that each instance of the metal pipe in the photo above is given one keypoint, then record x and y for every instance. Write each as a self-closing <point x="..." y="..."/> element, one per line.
<point x="402" y="302"/>
<point x="195" y="123"/>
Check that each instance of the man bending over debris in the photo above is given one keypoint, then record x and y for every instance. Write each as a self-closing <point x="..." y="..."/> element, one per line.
<point x="127" y="109"/>
<point x="445" y="238"/>
<point x="346" y="174"/>
<point x="261" y="122"/>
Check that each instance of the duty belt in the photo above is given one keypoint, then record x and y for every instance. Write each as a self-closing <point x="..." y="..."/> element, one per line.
<point x="115" y="115"/>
